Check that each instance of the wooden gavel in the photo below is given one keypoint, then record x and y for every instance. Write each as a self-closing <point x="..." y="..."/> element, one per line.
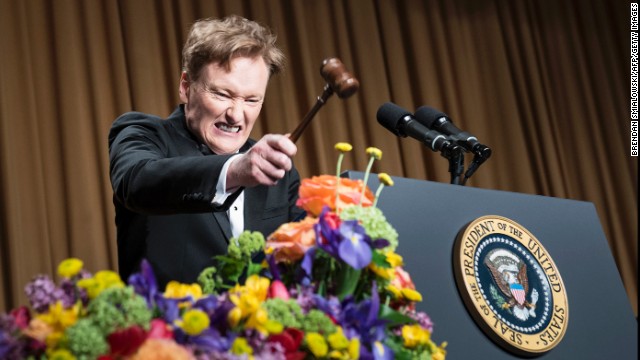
<point x="339" y="81"/>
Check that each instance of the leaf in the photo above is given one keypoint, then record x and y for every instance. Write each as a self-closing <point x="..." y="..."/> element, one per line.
<point x="393" y="317"/>
<point x="380" y="259"/>
<point x="253" y="269"/>
<point x="347" y="281"/>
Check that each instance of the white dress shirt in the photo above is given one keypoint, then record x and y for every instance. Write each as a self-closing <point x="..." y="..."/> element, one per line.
<point x="236" y="210"/>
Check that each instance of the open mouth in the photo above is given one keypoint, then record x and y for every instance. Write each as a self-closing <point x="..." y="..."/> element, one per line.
<point x="228" y="128"/>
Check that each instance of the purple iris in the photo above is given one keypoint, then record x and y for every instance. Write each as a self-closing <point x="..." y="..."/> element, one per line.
<point x="347" y="241"/>
<point x="168" y="307"/>
<point x="354" y="248"/>
<point x="144" y="283"/>
<point x="327" y="236"/>
<point x="361" y="319"/>
<point x="379" y="351"/>
<point x="217" y="309"/>
<point x="208" y="341"/>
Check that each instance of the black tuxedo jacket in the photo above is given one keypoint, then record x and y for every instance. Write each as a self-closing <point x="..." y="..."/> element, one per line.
<point x="163" y="181"/>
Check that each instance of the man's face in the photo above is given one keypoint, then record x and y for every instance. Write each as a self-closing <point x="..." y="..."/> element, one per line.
<point x="222" y="106"/>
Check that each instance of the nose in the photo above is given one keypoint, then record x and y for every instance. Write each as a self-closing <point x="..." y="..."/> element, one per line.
<point x="235" y="112"/>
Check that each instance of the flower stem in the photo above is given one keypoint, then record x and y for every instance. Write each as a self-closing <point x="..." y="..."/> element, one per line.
<point x="375" y="202"/>
<point x="340" y="157"/>
<point x="366" y="178"/>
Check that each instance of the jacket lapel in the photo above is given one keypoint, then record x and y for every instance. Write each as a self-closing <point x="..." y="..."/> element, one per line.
<point x="254" y="204"/>
<point x="222" y="219"/>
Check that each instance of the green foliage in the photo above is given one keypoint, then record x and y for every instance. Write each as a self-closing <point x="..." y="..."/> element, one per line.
<point x="286" y="312"/>
<point x="86" y="340"/>
<point x="237" y="263"/>
<point x="317" y="321"/>
<point x="118" y="308"/>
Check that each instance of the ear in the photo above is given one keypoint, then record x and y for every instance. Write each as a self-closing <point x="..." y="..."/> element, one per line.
<point x="184" y="87"/>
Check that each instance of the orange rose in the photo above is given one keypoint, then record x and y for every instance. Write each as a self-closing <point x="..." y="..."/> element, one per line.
<point x="291" y="240"/>
<point x="320" y="191"/>
<point x="161" y="349"/>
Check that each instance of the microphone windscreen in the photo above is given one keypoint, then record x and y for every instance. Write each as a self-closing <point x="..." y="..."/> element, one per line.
<point x="427" y="116"/>
<point x="389" y="115"/>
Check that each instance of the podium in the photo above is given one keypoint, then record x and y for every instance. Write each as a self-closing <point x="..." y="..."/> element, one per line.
<point x="429" y="216"/>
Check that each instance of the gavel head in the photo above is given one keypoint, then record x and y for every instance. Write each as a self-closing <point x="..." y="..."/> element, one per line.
<point x="338" y="78"/>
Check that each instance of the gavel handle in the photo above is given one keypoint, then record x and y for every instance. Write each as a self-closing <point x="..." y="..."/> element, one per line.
<point x="322" y="99"/>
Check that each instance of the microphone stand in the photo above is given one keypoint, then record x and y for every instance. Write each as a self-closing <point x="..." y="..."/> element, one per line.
<point x="478" y="159"/>
<point x="456" y="164"/>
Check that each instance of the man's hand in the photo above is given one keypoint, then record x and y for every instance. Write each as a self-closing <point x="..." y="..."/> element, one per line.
<point x="264" y="164"/>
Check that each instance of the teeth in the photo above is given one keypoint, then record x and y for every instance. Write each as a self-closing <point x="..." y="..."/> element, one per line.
<point x="227" y="128"/>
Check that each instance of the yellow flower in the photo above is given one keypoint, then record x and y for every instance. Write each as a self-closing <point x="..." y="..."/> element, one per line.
<point x="234" y="317"/>
<point x="109" y="279"/>
<point x="394" y="259"/>
<point x="273" y="327"/>
<point x="176" y="290"/>
<point x="374" y="152"/>
<point x="258" y="320"/>
<point x="241" y="346"/>
<point x="53" y="339"/>
<point x="385" y="179"/>
<point x="70" y="267"/>
<point x="343" y="147"/>
<point x="337" y="340"/>
<point x="397" y="293"/>
<point x="438" y="352"/>
<point x="58" y="319"/>
<point x="247" y="302"/>
<point x="93" y="287"/>
<point x="194" y="322"/>
<point x="258" y="286"/>
<point x="354" y="348"/>
<point x="411" y="294"/>
<point x="317" y="344"/>
<point x="102" y="280"/>
<point x="61" y="354"/>
<point x="385" y="273"/>
<point x="415" y="335"/>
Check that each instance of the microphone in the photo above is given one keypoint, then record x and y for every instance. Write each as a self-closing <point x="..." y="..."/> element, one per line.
<point x="402" y="123"/>
<point x="439" y="121"/>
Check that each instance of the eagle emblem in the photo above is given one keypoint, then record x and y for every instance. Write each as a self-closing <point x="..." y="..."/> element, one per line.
<point x="509" y="273"/>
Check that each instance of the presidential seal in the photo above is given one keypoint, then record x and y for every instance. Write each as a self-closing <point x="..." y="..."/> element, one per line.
<point x="510" y="285"/>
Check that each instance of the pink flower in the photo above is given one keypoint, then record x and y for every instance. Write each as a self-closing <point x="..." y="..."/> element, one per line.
<point x="159" y="330"/>
<point x="21" y="316"/>
<point x="278" y="290"/>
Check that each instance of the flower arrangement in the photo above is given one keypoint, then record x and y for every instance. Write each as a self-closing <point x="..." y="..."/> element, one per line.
<point x="330" y="286"/>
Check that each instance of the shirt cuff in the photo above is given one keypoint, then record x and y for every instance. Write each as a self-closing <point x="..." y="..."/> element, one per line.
<point x="221" y="193"/>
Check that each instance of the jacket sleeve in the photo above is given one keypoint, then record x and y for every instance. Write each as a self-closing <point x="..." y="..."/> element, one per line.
<point x="149" y="175"/>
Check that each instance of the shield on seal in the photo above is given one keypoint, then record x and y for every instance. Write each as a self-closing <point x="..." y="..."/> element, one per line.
<point x="518" y="293"/>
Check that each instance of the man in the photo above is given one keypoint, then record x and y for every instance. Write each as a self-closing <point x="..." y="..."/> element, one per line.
<point x="183" y="186"/>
